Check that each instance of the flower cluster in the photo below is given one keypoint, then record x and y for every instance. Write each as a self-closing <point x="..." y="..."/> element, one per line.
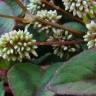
<point x="34" y="6"/>
<point x="90" y="37"/>
<point x="79" y="7"/>
<point x="17" y="45"/>
<point x="50" y="15"/>
<point x="60" y="50"/>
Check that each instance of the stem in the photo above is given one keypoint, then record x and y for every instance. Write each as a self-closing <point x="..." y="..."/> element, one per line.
<point x="22" y="6"/>
<point x="3" y="73"/>
<point x="60" y="42"/>
<point x="12" y="17"/>
<point x="51" y="5"/>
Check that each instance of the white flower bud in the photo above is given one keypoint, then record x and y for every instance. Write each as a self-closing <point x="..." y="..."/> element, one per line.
<point x="90" y="37"/>
<point x="50" y="16"/>
<point x="14" y="48"/>
<point x="57" y="35"/>
<point x="79" y="7"/>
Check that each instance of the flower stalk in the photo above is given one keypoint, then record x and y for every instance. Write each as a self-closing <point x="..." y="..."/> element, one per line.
<point x="22" y="6"/>
<point x="20" y="19"/>
<point x="60" y="42"/>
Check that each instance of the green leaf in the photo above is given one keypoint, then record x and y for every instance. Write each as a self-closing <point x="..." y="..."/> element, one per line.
<point x="6" y="25"/>
<point x="76" y="26"/>
<point x="48" y="74"/>
<point x="2" y="92"/>
<point x="81" y="67"/>
<point x="45" y="92"/>
<point x="24" y="79"/>
<point x="81" y="88"/>
<point x="14" y="7"/>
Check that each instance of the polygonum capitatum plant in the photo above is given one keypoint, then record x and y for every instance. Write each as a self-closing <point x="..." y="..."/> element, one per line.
<point x="47" y="47"/>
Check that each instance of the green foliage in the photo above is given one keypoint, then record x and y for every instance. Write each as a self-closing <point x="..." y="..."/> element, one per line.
<point x="24" y="79"/>
<point x="6" y="25"/>
<point x="43" y="91"/>
<point x="79" y="68"/>
<point x="50" y="72"/>
<point x="86" y="87"/>
<point x="16" y="10"/>
<point x="2" y="92"/>
<point x="76" y="26"/>
<point x="9" y="8"/>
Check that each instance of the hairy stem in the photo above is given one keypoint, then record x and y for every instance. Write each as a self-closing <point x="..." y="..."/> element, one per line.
<point x="60" y="42"/>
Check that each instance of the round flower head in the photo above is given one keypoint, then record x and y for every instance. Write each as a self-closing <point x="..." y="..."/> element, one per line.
<point x="17" y="45"/>
<point x="60" y="50"/>
<point x="90" y="37"/>
<point x="50" y="15"/>
<point x="79" y="7"/>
